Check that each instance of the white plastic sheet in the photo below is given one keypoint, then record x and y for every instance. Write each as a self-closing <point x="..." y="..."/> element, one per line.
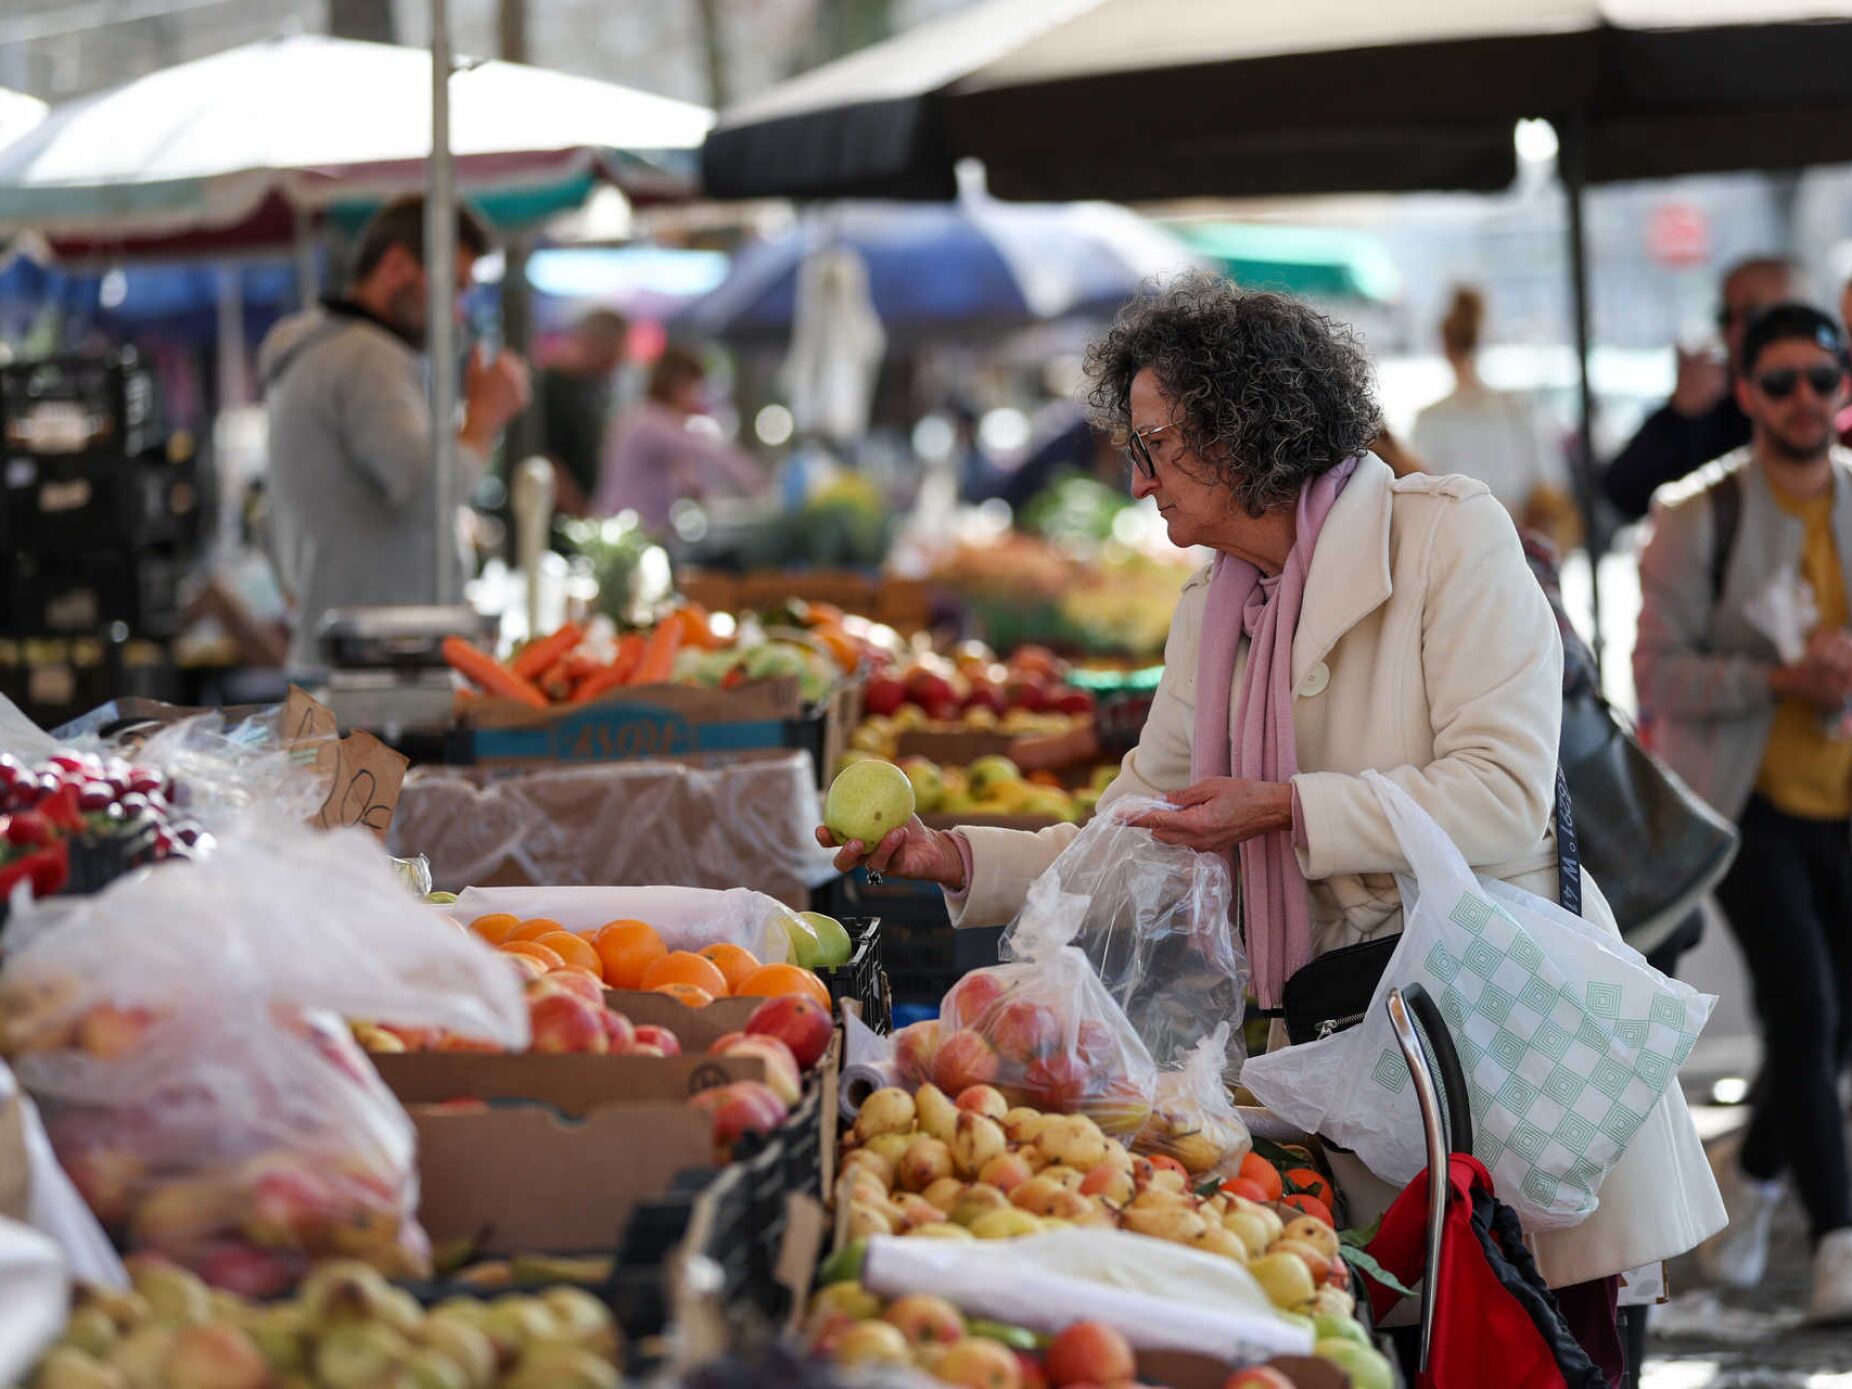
<point x="744" y="824"/>
<point x="34" y="1298"/>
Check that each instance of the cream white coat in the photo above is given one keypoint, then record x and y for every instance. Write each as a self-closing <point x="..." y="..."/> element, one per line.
<point x="1426" y="651"/>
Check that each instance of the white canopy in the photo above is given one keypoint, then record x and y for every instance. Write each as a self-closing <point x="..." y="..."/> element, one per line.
<point x="315" y="120"/>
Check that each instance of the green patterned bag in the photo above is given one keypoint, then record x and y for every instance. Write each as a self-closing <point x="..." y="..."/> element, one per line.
<point x="1567" y="1036"/>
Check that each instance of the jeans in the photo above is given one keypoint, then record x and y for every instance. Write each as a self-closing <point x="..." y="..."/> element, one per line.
<point x="1788" y="899"/>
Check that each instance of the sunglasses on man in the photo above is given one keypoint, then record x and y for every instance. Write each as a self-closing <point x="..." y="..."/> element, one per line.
<point x="1139" y="454"/>
<point x="1781" y="383"/>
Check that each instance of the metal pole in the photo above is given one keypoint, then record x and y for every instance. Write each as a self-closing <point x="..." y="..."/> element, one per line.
<point x="1439" y="1183"/>
<point x="306" y="279"/>
<point x="440" y="259"/>
<point x="1571" y="150"/>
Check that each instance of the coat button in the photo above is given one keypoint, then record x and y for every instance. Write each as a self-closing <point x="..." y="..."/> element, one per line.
<point x="1315" y="681"/>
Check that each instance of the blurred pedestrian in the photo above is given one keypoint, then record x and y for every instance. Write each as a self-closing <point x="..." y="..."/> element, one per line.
<point x="352" y="518"/>
<point x="1702" y="420"/>
<point x="1845" y="317"/>
<point x="574" y="396"/>
<point x="1762" y="737"/>
<point x="653" y="458"/>
<point x="1492" y="435"/>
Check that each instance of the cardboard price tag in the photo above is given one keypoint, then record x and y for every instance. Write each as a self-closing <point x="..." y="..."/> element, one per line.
<point x="364" y="775"/>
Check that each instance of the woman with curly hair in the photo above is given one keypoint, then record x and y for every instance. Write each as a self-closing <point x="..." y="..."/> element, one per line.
<point x="1351" y="621"/>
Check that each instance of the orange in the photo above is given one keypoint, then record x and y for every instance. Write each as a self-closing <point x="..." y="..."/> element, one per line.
<point x="846" y="650"/>
<point x="769" y="981"/>
<point x="547" y="956"/>
<point x="627" y="949"/>
<point x="686" y="967"/>
<point x="735" y="962"/>
<point x="1247" y="1191"/>
<point x="534" y="928"/>
<point x="574" y="950"/>
<point x="495" y="927"/>
<point x="686" y="994"/>
<point x="1263" y="1174"/>
<point x="1310" y="1205"/>
<point x="1306" y="1179"/>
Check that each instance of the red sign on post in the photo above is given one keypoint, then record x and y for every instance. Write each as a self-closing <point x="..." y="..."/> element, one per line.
<point x="1678" y="235"/>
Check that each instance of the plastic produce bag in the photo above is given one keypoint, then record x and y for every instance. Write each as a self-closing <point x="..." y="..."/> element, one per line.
<point x="219" y="773"/>
<point x="1043" y="1029"/>
<point x="1155" y="921"/>
<point x="687" y="918"/>
<point x="1193" y="1119"/>
<point x="183" y="1033"/>
<point x="1568" y="1038"/>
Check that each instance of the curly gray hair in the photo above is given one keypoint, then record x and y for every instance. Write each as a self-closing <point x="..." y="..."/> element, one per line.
<point x="1268" y="391"/>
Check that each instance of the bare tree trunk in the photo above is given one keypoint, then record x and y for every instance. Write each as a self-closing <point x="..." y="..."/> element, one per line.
<point x="362" y="19"/>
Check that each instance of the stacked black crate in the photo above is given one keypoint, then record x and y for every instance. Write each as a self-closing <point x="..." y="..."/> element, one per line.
<point x="99" y="514"/>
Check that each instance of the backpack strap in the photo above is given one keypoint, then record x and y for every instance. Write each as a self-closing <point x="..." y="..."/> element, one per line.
<point x="1726" y="503"/>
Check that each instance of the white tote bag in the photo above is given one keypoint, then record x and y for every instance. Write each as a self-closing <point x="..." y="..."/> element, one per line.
<point x="1568" y="1038"/>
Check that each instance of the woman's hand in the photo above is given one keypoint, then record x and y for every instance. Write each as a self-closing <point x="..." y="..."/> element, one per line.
<point x="911" y="851"/>
<point x="1215" y="815"/>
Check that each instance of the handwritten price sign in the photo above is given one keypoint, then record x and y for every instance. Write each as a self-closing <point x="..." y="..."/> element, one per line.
<point x="364" y="774"/>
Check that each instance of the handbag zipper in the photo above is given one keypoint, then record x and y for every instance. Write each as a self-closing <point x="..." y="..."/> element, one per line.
<point x="1330" y="1025"/>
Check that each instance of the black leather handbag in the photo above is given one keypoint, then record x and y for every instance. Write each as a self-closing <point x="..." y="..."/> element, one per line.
<point x="1333" y="992"/>
<point x="1654" y="846"/>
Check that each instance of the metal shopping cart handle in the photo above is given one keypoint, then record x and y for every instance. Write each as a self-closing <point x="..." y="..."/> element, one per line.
<point x="1446" y="1121"/>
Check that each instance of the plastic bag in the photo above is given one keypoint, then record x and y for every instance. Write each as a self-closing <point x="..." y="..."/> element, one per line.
<point x="1042" y="1029"/>
<point x="1157" y="925"/>
<point x="1568" y="1038"/>
<point x="183" y="1034"/>
<point x="220" y="773"/>
<point x="687" y="918"/>
<point x="1193" y="1118"/>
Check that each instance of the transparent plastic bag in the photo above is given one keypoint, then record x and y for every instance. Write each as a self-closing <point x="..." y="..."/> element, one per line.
<point x="219" y="773"/>
<point x="1156" y="921"/>
<point x="687" y="918"/>
<point x="1043" y="1029"/>
<point x="183" y="1033"/>
<point x="1193" y="1118"/>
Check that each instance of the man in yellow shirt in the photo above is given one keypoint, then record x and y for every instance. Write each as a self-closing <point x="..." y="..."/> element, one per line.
<point x="1766" y="741"/>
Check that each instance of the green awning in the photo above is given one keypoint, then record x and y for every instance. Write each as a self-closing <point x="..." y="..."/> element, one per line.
<point x="1329" y="262"/>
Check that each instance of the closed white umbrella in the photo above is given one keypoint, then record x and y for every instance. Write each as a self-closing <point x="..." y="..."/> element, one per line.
<point x="314" y="120"/>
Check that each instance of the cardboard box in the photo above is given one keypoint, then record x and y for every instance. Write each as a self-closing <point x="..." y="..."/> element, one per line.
<point x="903" y="604"/>
<point x="649" y="721"/>
<point x="1182" y="1369"/>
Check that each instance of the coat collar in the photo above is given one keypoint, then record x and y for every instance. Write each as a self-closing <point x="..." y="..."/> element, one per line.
<point x="1349" y="577"/>
<point x="1762" y="513"/>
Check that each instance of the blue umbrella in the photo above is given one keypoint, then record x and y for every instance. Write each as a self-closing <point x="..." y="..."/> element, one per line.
<point x="950" y="267"/>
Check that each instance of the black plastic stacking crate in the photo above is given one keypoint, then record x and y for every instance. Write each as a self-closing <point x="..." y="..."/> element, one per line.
<point x="80" y="593"/>
<point x="78" y="406"/>
<point x="864" y="977"/>
<point x="84" y="503"/>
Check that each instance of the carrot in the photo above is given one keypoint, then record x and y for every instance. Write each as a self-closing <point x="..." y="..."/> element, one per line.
<point x="658" y="661"/>
<point x="611" y="677"/>
<point x="542" y="652"/>
<point x="492" y="678"/>
<point x="556" y="682"/>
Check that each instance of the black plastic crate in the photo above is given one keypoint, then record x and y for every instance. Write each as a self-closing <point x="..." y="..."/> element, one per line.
<point x="84" y="593"/>
<point x="73" y="406"/>
<point x="863" y="978"/>
<point x="88" y="503"/>
<point x="56" y="680"/>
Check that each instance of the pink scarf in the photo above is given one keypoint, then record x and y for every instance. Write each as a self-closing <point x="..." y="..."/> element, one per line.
<point x="1261" y="748"/>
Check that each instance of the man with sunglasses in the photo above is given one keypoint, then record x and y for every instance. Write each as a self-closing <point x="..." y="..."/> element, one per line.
<point x="1764" y="739"/>
<point x="1702" y="420"/>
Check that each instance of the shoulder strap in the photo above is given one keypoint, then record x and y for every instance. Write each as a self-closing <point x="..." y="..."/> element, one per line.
<point x="1726" y="503"/>
<point x="1568" y="852"/>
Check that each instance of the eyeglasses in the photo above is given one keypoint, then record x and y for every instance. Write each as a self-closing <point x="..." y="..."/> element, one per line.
<point x="1780" y="383"/>
<point x="1140" y="454"/>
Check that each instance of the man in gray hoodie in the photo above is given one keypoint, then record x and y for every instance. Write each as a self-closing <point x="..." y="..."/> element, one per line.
<point x="352" y="494"/>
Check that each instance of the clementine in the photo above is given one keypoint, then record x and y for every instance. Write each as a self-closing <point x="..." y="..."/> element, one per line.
<point x="736" y="962"/>
<point x="685" y="994"/>
<point x="534" y="949"/>
<point x="686" y="967"/>
<point x="627" y="948"/>
<point x="574" y="950"/>
<point x="769" y="981"/>
<point x="1263" y="1174"/>
<point x="1309" y="1205"/>
<point x="534" y="928"/>
<point x="495" y="927"/>
<point x="1308" y="1180"/>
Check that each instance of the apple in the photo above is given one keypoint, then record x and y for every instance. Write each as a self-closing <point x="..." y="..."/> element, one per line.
<point x="928" y="688"/>
<point x="1088" y="1351"/>
<point x="801" y="1024"/>
<point x="979" y="1364"/>
<point x="781" y="1072"/>
<point x="1024" y="1031"/>
<point x="219" y="1356"/>
<point x="104" y="1177"/>
<point x="744" y="1107"/>
<point x="563" y="1022"/>
<point x="1257" y="1377"/>
<point x="872" y="1343"/>
<point x="915" y="1049"/>
<point x="971" y="997"/>
<point x="985" y="694"/>
<point x="107" y="1031"/>
<point x="248" y="1272"/>
<point x="1026" y="692"/>
<point x="928" y="782"/>
<point x="581" y="983"/>
<point x="1068" y="700"/>
<point x="848" y="1299"/>
<point x="988" y="773"/>
<point x="1057" y="1082"/>
<point x="292" y="1207"/>
<point x="665" y="1041"/>
<point x="964" y="1059"/>
<point x="925" y="1320"/>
